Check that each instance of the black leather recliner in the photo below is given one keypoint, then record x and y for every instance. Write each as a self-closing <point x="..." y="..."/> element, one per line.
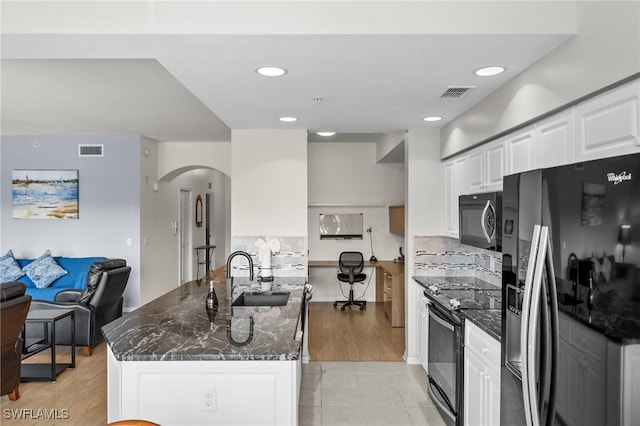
<point x="14" y="307"/>
<point x="99" y="304"/>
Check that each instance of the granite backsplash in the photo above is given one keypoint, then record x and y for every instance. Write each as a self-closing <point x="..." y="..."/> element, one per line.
<point x="444" y="256"/>
<point x="288" y="257"/>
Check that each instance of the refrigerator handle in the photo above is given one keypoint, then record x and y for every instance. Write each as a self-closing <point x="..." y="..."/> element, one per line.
<point x="525" y="326"/>
<point x="536" y="296"/>
<point x="554" y="326"/>
<point x="487" y="207"/>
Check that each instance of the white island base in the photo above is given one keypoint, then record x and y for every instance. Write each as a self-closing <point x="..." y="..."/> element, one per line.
<point x="204" y="392"/>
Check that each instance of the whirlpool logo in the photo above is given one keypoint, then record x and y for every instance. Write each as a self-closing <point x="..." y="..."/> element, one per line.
<point x="618" y="178"/>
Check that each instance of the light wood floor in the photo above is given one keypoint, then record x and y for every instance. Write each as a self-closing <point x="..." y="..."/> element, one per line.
<point x="352" y="334"/>
<point x="81" y="391"/>
<point x="334" y="335"/>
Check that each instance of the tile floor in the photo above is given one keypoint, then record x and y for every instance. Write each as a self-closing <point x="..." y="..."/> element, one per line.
<point x="365" y="393"/>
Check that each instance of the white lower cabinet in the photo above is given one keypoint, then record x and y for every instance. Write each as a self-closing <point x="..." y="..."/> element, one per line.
<point x="422" y="327"/>
<point x="481" y="392"/>
<point x="582" y="374"/>
<point x="173" y="392"/>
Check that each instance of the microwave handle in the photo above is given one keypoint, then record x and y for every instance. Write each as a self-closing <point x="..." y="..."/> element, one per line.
<point x="484" y="228"/>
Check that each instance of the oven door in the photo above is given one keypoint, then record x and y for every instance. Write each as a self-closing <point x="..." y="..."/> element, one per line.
<point x="443" y="361"/>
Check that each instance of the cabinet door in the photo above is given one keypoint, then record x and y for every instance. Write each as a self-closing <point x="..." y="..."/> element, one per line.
<point x="451" y="199"/>
<point x="492" y="390"/>
<point x="396" y="220"/>
<point x="495" y="158"/>
<point x="631" y="384"/>
<point x="520" y="151"/>
<point x="586" y="384"/>
<point x="474" y="172"/>
<point x="474" y="390"/>
<point x="419" y="329"/>
<point x="607" y="125"/>
<point x="555" y="140"/>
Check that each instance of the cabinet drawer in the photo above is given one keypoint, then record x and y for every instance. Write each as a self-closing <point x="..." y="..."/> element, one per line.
<point x="484" y="346"/>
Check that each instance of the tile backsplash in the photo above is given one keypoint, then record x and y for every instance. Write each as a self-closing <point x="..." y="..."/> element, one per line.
<point x="288" y="257"/>
<point x="444" y="256"/>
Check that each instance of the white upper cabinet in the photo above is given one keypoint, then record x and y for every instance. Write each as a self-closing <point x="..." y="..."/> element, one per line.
<point x="520" y="151"/>
<point x="555" y="140"/>
<point x="607" y="125"/>
<point x="483" y="168"/>
<point x="604" y="126"/>
<point x="451" y="198"/>
<point x="495" y="159"/>
<point x="474" y="171"/>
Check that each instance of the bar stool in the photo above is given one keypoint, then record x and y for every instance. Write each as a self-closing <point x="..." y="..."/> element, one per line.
<point x="203" y="257"/>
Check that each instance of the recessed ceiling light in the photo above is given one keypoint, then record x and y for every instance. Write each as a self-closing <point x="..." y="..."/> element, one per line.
<point x="325" y="133"/>
<point x="432" y="118"/>
<point x="288" y="119"/>
<point x="489" y="71"/>
<point x="271" y="71"/>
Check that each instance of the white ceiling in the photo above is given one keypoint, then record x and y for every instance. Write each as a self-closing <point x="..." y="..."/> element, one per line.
<point x="196" y="87"/>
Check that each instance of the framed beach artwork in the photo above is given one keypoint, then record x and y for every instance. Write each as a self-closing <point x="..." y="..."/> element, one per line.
<point x="44" y="194"/>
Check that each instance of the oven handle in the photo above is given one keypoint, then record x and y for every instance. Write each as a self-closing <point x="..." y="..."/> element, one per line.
<point x="434" y="313"/>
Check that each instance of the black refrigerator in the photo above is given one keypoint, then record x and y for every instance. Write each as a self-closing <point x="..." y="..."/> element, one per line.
<point x="571" y="262"/>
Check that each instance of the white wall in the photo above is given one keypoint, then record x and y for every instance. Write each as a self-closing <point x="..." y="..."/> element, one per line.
<point x="269" y="183"/>
<point x="605" y="50"/>
<point x="173" y="156"/>
<point x="424" y="213"/>
<point x="108" y="211"/>
<point x="345" y="178"/>
<point x="160" y="210"/>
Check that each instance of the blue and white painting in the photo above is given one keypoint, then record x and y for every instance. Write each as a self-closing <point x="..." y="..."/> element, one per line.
<point x="45" y="194"/>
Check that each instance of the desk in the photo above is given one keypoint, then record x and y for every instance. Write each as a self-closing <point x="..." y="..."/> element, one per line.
<point x="48" y="318"/>
<point x="389" y="285"/>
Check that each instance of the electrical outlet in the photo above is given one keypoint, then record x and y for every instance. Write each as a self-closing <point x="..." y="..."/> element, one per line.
<point x="208" y="399"/>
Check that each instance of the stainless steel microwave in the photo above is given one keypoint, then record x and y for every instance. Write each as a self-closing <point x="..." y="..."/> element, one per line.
<point x="480" y="220"/>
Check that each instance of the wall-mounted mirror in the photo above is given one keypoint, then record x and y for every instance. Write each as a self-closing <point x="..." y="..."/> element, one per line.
<point x="199" y="211"/>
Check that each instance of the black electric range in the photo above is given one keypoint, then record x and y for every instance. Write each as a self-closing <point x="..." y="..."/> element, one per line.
<point x="447" y="297"/>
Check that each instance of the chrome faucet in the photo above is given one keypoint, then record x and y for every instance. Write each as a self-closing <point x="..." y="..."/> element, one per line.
<point x="229" y="283"/>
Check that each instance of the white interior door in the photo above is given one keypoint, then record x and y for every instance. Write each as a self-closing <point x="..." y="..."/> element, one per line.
<point x="185" y="236"/>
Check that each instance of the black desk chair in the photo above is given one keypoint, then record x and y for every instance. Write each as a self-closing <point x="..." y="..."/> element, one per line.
<point x="351" y="264"/>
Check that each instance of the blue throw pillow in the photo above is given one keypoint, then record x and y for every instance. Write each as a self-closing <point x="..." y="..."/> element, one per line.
<point x="44" y="270"/>
<point x="9" y="268"/>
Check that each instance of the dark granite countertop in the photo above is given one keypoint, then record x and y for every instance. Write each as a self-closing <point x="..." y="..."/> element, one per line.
<point x="489" y="320"/>
<point x="616" y="318"/>
<point x="178" y="327"/>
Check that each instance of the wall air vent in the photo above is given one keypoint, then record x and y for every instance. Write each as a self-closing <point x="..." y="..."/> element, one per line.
<point x="456" y="92"/>
<point x="91" y="150"/>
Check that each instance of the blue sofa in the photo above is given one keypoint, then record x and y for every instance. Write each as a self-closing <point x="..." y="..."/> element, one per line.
<point x="78" y="268"/>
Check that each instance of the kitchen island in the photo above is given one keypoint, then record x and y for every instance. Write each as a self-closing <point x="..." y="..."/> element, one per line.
<point x="178" y="361"/>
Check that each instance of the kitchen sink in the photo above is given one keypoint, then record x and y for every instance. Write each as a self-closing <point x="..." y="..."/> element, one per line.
<point x="262" y="298"/>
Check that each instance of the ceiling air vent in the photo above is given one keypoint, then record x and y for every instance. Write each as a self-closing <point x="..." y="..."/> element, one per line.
<point x="91" y="150"/>
<point x="456" y="92"/>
